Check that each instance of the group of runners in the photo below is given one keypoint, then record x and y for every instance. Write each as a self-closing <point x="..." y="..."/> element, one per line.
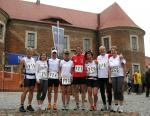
<point x="81" y="72"/>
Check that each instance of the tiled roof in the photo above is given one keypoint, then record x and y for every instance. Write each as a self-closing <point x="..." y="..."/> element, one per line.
<point x="113" y="16"/>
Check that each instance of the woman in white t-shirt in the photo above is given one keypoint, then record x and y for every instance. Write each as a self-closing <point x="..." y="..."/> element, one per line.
<point x="117" y="73"/>
<point x="92" y="80"/>
<point x="41" y="67"/>
<point x="65" y="77"/>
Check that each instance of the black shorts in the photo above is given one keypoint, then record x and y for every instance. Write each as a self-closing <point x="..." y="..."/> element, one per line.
<point x="53" y="82"/>
<point x="29" y="82"/>
<point x="79" y="80"/>
<point x="92" y="83"/>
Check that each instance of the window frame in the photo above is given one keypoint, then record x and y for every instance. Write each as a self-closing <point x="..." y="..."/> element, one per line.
<point x="3" y="31"/>
<point x="139" y="67"/>
<point x="102" y="40"/>
<point x="137" y="42"/>
<point x="68" y="41"/>
<point x="90" y="40"/>
<point x="26" y="39"/>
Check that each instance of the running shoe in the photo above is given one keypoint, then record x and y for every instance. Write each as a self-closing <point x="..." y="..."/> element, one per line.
<point x="21" y="109"/>
<point x="29" y="108"/>
<point x="63" y="107"/>
<point x="54" y="107"/>
<point x="49" y="107"/>
<point x="110" y="108"/>
<point x="83" y="107"/>
<point x="94" y="107"/>
<point x="91" y="108"/>
<point x="104" y="108"/>
<point x="67" y="106"/>
<point x="115" y="108"/>
<point x="120" y="109"/>
<point x="77" y="107"/>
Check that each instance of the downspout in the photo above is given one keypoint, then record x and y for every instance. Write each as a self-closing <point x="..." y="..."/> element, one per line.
<point x="98" y="34"/>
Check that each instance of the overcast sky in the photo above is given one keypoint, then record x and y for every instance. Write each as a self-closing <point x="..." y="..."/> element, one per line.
<point x="137" y="10"/>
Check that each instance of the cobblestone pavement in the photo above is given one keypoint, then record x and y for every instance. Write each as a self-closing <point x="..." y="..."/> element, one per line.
<point x="135" y="105"/>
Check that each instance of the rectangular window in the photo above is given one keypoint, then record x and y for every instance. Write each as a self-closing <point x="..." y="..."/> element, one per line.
<point x="106" y="41"/>
<point x="86" y="45"/>
<point x="31" y="39"/>
<point x="66" y="42"/>
<point x="135" y="67"/>
<point x="134" y="42"/>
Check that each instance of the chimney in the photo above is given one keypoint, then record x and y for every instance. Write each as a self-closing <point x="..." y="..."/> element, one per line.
<point x="37" y="1"/>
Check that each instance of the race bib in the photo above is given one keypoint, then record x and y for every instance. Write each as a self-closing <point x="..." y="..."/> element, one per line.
<point x="102" y="65"/>
<point x="115" y="69"/>
<point x="79" y="68"/>
<point x="44" y="74"/>
<point x="30" y="66"/>
<point x="53" y="75"/>
<point x="66" y="81"/>
<point x="91" y="69"/>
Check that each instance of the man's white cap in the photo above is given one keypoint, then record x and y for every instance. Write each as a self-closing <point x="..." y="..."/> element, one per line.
<point x="54" y="51"/>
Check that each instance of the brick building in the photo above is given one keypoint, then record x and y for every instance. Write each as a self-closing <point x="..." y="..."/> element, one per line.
<point x="25" y="24"/>
<point x="147" y="61"/>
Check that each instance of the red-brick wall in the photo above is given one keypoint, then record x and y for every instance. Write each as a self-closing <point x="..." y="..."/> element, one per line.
<point x="147" y="61"/>
<point x="15" y="36"/>
<point x="9" y="82"/>
<point x="120" y="37"/>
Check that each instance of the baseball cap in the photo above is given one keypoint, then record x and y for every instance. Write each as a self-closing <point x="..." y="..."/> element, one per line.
<point x="54" y="51"/>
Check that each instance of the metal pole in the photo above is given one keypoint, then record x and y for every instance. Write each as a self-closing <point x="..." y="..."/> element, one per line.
<point x="58" y="36"/>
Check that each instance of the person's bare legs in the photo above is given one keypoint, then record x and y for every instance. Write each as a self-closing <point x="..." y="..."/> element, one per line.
<point x="30" y="97"/>
<point x="55" y="94"/>
<point x="23" y="95"/>
<point x="90" y="96"/>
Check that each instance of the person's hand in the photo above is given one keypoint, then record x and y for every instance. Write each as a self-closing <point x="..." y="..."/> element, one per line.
<point x="71" y="77"/>
<point x="121" y="56"/>
<point x="21" y="84"/>
<point x="110" y="80"/>
<point x="96" y="61"/>
<point x="38" y="81"/>
<point x="60" y="79"/>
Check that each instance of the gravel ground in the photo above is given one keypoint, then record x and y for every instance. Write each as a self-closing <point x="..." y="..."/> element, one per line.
<point x="133" y="103"/>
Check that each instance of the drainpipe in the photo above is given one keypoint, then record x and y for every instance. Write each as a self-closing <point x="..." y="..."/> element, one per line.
<point x="97" y="35"/>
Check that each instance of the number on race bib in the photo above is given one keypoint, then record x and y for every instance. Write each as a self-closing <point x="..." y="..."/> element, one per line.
<point x="79" y="68"/>
<point x="66" y="81"/>
<point x="102" y="65"/>
<point x="91" y="69"/>
<point x="115" y="69"/>
<point x="53" y="75"/>
<point x="44" y="74"/>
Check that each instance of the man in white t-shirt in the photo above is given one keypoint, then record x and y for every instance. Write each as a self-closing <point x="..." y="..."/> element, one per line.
<point x="65" y="75"/>
<point x="27" y="67"/>
<point x="103" y="78"/>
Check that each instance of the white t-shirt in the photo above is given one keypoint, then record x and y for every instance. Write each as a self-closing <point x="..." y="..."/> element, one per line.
<point x="29" y="67"/>
<point x="91" y="69"/>
<point x="41" y="70"/>
<point x="103" y="66"/>
<point x="53" y="68"/>
<point x="116" y="66"/>
<point x="66" y="67"/>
